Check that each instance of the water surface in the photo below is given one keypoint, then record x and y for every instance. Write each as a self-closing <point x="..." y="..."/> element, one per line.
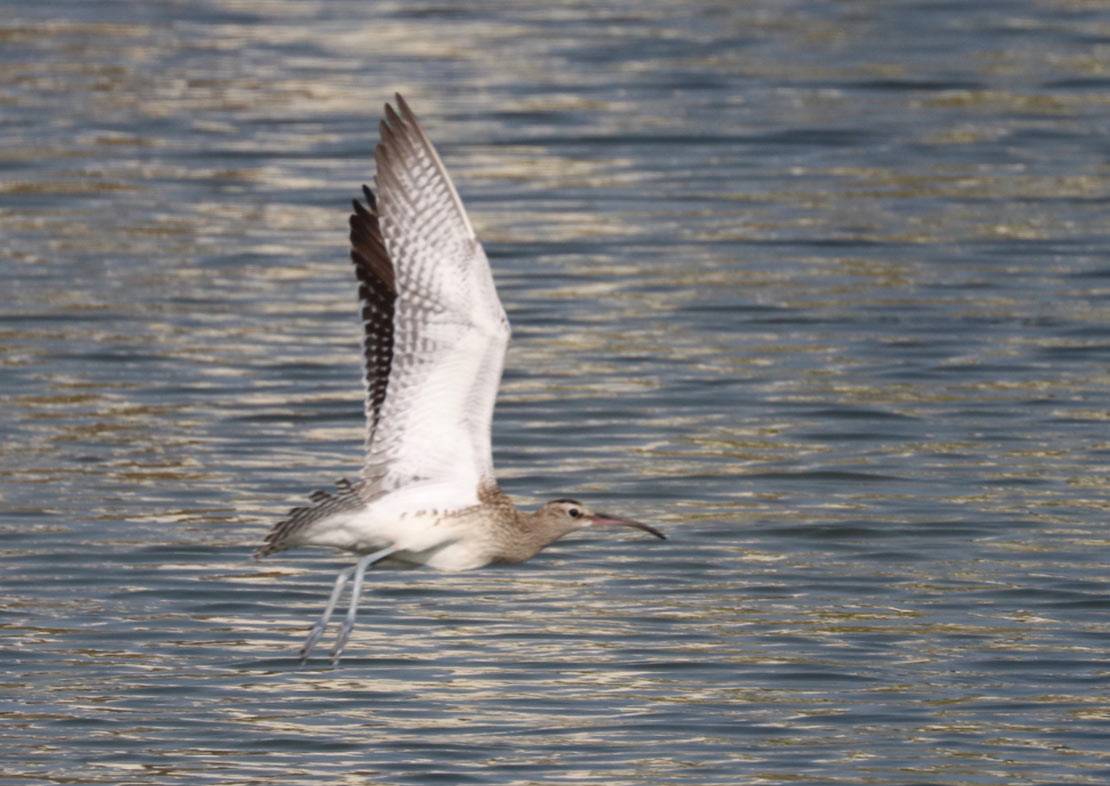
<point x="821" y="290"/>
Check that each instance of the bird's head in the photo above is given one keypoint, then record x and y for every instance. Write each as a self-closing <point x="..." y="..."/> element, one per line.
<point x="569" y="515"/>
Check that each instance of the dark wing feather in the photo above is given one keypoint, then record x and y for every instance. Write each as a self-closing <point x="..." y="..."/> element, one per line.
<point x="377" y="291"/>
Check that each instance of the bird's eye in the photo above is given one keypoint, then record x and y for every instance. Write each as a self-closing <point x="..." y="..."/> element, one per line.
<point x="574" y="513"/>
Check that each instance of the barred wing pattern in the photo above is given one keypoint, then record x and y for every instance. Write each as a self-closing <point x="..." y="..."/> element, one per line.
<point x="377" y="291"/>
<point x="435" y="330"/>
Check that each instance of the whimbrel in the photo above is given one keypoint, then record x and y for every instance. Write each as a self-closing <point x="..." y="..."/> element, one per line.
<point x="434" y="341"/>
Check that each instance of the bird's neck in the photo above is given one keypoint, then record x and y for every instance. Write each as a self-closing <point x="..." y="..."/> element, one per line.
<point x="521" y="535"/>
<point x="532" y="533"/>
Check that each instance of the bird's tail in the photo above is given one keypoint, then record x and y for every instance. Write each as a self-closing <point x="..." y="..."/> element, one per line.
<point x="284" y="534"/>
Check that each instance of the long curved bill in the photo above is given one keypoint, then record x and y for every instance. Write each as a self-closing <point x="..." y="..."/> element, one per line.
<point x="605" y="518"/>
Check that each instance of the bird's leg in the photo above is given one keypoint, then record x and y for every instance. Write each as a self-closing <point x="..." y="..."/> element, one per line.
<point x="318" y="629"/>
<point x="356" y="591"/>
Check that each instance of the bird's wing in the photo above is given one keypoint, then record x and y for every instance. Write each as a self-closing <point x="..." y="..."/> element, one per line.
<point x="435" y="331"/>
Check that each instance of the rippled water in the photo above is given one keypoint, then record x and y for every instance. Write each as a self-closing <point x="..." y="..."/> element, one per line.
<point x="820" y="289"/>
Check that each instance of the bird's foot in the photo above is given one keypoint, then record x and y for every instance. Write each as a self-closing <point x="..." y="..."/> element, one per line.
<point x="341" y="640"/>
<point x="313" y="637"/>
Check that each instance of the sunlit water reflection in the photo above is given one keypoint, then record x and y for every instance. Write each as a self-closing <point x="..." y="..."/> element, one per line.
<point x="820" y="290"/>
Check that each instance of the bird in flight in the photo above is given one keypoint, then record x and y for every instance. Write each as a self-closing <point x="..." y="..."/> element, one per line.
<point x="434" y="342"/>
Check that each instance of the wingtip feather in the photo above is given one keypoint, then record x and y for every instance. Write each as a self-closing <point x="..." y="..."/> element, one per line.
<point x="393" y="117"/>
<point x="406" y="110"/>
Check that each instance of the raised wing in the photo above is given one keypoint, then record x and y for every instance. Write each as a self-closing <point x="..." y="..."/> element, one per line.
<point x="435" y="332"/>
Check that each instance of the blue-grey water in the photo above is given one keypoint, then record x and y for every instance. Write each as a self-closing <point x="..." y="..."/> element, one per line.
<point x="821" y="289"/>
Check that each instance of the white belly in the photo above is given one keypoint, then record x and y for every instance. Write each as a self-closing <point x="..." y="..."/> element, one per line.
<point x="410" y="521"/>
<point x="459" y="555"/>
